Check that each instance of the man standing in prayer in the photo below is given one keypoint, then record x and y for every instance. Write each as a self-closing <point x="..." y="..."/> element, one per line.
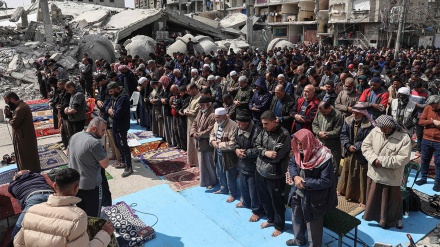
<point x="387" y="149"/>
<point x="353" y="182"/>
<point x="311" y="172"/>
<point x="347" y="98"/>
<point x="247" y="154"/>
<point x="23" y="133"/>
<point x="404" y="109"/>
<point x="200" y="131"/>
<point x="304" y="110"/>
<point x="327" y="126"/>
<point x="77" y="107"/>
<point x="88" y="157"/>
<point x="273" y="145"/>
<point x="119" y="111"/>
<point x="222" y="138"/>
<point x="281" y="105"/>
<point x="375" y="98"/>
<point x="191" y="113"/>
<point x="431" y="140"/>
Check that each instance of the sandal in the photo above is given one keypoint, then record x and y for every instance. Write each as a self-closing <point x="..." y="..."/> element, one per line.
<point x="6" y="159"/>
<point x="119" y="166"/>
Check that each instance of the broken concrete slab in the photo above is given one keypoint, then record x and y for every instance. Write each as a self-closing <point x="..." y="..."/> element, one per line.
<point x="93" y="17"/>
<point x="15" y="64"/>
<point x="97" y="47"/>
<point x="67" y="62"/>
<point x="56" y="56"/>
<point x="234" y="21"/>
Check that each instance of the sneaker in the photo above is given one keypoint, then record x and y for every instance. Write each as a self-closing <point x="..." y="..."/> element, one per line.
<point x="293" y="242"/>
<point x="420" y="182"/>
<point x="436" y="188"/>
<point x="127" y="172"/>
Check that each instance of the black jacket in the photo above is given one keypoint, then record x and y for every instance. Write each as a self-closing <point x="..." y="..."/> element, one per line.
<point x="320" y="190"/>
<point x="347" y="137"/>
<point x="332" y="98"/>
<point x="248" y="164"/>
<point x="64" y="102"/>
<point x="121" y="109"/>
<point x="279" y="141"/>
<point x="288" y="103"/>
<point x="166" y="94"/>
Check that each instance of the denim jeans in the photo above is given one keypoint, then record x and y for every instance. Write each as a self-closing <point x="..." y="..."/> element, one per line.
<point x="228" y="179"/>
<point x="249" y="194"/>
<point x="31" y="201"/>
<point x="429" y="149"/>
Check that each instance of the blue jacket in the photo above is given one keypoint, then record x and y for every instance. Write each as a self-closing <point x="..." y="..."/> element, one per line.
<point x="347" y="135"/>
<point x="121" y="109"/>
<point x="320" y="189"/>
<point x="261" y="99"/>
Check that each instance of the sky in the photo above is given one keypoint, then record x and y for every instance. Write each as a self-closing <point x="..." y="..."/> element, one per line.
<point x="17" y="3"/>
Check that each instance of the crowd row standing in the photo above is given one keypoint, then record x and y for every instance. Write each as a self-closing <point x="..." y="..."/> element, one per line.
<point x="241" y="114"/>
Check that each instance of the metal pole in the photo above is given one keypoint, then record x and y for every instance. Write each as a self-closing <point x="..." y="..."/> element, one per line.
<point x="400" y="29"/>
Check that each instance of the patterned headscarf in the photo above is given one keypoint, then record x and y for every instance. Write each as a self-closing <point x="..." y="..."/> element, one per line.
<point x="314" y="152"/>
<point x="386" y="121"/>
<point x="361" y="108"/>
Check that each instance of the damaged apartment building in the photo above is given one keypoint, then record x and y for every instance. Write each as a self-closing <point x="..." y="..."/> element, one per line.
<point x="364" y="23"/>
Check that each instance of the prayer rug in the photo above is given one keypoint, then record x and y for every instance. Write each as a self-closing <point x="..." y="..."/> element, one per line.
<point x="162" y="168"/>
<point x="40" y="107"/>
<point x="36" y="101"/>
<point x="46" y="132"/>
<point x="129" y="229"/>
<point x="42" y="115"/>
<point x="6" y="177"/>
<point x="351" y="208"/>
<point x="431" y="172"/>
<point x="184" y="179"/>
<point x="426" y="205"/>
<point x="50" y="146"/>
<point x="8" y="204"/>
<point x="163" y="154"/>
<point x="52" y="158"/>
<point x="136" y="151"/>
<point x="140" y="135"/>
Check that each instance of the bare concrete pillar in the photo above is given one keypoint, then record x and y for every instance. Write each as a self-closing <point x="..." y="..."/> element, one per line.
<point x="24" y="20"/>
<point x="48" y="31"/>
<point x="204" y="6"/>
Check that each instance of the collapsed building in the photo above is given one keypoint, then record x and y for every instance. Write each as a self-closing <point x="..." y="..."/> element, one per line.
<point x="27" y="34"/>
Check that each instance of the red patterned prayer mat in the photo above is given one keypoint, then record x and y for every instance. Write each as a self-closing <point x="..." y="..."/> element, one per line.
<point x="36" y="101"/>
<point x="184" y="179"/>
<point x="46" y="132"/>
<point x="163" y="154"/>
<point x="136" y="151"/>
<point x="162" y="168"/>
<point x="431" y="172"/>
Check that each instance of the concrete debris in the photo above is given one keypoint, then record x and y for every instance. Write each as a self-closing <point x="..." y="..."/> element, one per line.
<point x="97" y="47"/>
<point x="93" y="17"/>
<point x="17" y="14"/>
<point x="140" y="45"/>
<point x="281" y="43"/>
<point x="235" y="20"/>
<point x="56" y="56"/>
<point x="15" y="63"/>
<point x="67" y="62"/>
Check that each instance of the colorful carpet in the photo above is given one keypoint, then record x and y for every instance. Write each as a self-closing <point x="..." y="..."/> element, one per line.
<point x="40" y="107"/>
<point x="36" y="101"/>
<point x="161" y="168"/>
<point x="184" y="179"/>
<point x="42" y="115"/>
<point x="50" y="146"/>
<point x="6" y="177"/>
<point x="52" y="158"/>
<point x="163" y="154"/>
<point x="140" y="135"/>
<point x="431" y="172"/>
<point x="136" y="151"/>
<point x="351" y="208"/>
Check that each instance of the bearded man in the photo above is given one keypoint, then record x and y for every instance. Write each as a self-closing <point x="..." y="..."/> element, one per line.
<point x="347" y="98"/>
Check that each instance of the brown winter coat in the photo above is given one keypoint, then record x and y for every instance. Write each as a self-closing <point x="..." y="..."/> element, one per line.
<point x="203" y="128"/>
<point x="226" y="144"/>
